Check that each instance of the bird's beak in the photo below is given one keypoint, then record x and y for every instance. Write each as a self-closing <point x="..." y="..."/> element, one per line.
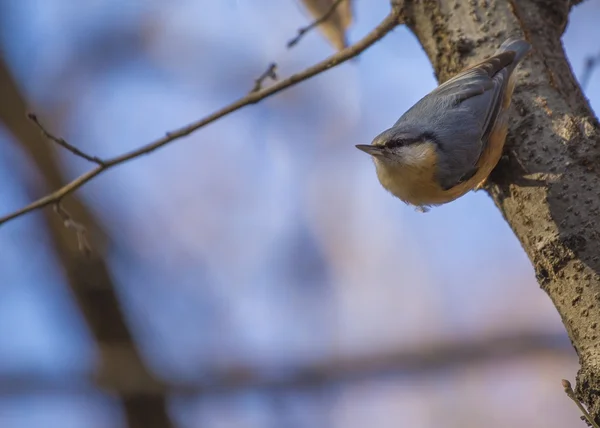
<point x="370" y="149"/>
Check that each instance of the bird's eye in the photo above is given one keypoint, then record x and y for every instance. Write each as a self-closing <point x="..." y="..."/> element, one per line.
<point x="396" y="142"/>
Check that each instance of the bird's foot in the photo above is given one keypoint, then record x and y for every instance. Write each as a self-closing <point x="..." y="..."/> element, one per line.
<point x="480" y="185"/>
<point x="421" y="209"/>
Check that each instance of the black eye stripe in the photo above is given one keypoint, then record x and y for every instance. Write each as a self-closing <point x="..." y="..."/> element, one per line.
<point x="408" y="141"/>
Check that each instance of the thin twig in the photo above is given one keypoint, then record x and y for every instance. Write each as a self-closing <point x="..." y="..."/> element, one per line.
<point x="571" y="394"/>
<point x="269" y="73"/>
<point x="389" y="23"/>
<point x="302" y="31"/>
<point x="591" y="63"/>
<point x="61" y="142"/>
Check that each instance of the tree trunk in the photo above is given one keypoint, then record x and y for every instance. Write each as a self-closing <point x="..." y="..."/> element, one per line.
<point x="548" y="189"/>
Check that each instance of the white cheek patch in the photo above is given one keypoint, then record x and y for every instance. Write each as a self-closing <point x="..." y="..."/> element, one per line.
<point x="419" y="154"/>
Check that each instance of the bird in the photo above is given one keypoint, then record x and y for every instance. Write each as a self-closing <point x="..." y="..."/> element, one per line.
<point x="449" y="142"/>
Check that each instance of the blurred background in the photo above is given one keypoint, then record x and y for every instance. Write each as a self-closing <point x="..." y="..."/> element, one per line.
<point x="254" y="274"/>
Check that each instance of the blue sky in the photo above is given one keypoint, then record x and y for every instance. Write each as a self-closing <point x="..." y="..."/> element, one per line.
<point x="206" y="235"/>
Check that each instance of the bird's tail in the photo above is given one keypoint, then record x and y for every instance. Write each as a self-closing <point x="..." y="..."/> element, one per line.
<point x="519" y="46"/>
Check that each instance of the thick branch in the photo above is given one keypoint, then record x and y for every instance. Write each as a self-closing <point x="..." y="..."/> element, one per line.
<point x="549" y="190"/>
<point x="86" y="272"/>
<point x="391" y="21"/>
<point x="328" y="373"/>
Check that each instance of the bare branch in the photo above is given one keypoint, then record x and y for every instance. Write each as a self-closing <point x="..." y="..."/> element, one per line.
<point x="389" y="23"/>
<point x="571" y="394"/>
<point x="269" y="73"/>
<point x="61" y="142"/>
<point x="302" y="31"/>
<point x="88" y="278"/>
<point x="326" y="373"/>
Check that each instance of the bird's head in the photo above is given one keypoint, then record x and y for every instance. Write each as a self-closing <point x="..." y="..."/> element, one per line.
<point x="398" y="148"/>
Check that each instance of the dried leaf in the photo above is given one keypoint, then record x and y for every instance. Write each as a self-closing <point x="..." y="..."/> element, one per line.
<point x="335" y="26"/>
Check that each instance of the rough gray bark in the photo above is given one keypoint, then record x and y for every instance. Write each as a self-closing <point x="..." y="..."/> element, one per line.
<point x="549" y="188"/>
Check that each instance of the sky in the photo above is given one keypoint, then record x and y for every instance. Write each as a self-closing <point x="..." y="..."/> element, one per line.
<point x="265" y="237"/>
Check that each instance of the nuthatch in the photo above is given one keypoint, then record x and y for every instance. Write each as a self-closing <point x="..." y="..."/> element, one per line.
<point x="450" y="141"/>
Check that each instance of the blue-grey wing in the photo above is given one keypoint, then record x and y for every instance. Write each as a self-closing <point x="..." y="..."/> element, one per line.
<point x="472" y="101"/>
<point x="461" y="113"/>
<point x="476" y="96"/>
<point x="480" y="89"/>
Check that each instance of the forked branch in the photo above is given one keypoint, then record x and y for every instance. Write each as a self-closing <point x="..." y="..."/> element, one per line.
<point x="390" y="22"/>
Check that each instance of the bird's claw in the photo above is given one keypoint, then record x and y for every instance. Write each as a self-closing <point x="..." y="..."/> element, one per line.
<point x="480" y="185"/>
